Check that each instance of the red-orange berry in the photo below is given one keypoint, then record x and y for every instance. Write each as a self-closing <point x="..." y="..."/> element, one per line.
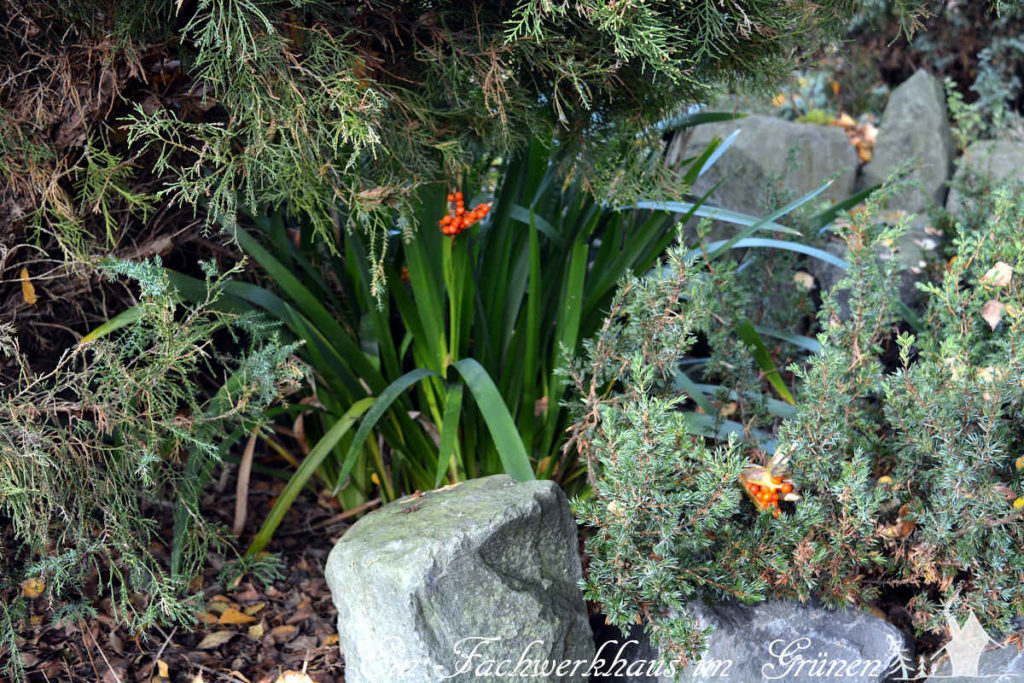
<point x="787" y="488"/>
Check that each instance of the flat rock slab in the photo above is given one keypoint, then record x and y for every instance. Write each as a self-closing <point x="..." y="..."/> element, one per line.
<point x="473" y="582"/>
<point x="761" y="154"/>
<point x="776" y="641"/>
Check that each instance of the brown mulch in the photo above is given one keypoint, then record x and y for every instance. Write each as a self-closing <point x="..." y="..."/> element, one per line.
<point x="250" y="633"/>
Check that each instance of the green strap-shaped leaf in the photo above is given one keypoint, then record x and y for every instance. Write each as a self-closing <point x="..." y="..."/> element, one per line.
<point x="306" y="470"/>
<point x="746" y="332"/>
<point x="380" y="406"/>
<point x="812" y="345"/>
<point x="499" y="421"/>
<point x="691" y="389"/>
<point x="749" y="230"/>
<point x="449" y="430"/>
<point x="122" y="319"/>
<point x="758" y="242"/>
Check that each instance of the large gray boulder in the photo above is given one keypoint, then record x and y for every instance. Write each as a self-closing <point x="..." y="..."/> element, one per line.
<point x="455" y="583"/>
<point x="915" y="126"/>
<point x="760" y="155"/>
<point x="993" y="160"/>
<point x="773" y="641"/>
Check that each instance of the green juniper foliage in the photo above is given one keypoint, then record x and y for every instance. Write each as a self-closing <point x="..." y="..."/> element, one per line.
<point x="117" y="429"/>
<point x="908" y="464"/>
<point x="337" y="111"/>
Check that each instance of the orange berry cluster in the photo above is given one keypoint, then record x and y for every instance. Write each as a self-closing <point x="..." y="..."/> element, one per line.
<point x="768" y="496"/>
<point x="460" y="219"/>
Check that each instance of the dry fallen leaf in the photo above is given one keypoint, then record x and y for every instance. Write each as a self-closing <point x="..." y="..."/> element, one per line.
<point x="992" y="312"/>
<point x="284" y="633"/>
<point x="233" y="616"/>
<point x="253" y="609"/>
<point x="293" y="677"/>
<point x="28" y="290"/>
<point x="803" y="280"/>
<point x="999" y="275"/>
<point x="256" y="631"/>
<point x="163" y="673"/>
<point x="33" y="588"/>
<point x="215" y="639"/>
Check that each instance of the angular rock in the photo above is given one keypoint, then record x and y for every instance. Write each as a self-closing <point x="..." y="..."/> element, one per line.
<point x="994" y="160"/>
<point x="914" y="125"/>
<point x="779" y="641"/>
<point x="759" y="155"/>
<point x="454" y="583"/>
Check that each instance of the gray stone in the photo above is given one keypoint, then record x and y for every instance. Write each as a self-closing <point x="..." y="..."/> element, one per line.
<point x="484" y="571"/>
<point x="994" y="159"/>
<point x="785" y="641"/>
<point x="760" y="154"/>
<point x="915" y="126"/>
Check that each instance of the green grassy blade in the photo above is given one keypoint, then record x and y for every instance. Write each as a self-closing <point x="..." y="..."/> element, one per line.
<point x="567" y="330"/>
<point x="787" y="245"/>
<point x="692" y="389"/>
<point x="304" y="300"/>
<point x="824" y="218"/>
<point x="380" y="406"/>
<point x="306" y="470"/>
<point x="746" y="332"/>
<point x="716" y="428"/>
<point x="697" y="118"/>
<point x="122" y="319"/>
<point x="696" y="164"/>
<point x="774" y="405"/>
<point x="908" y="314"/>
<point x="718" y="213"/>
<point x="527" y="420"/>
<point x="499" y="422"/>
<point x="748" y="231"/>
<point x="806" y="343"/>
<point x="449" y="430"/>
<point x="523" y="215"/>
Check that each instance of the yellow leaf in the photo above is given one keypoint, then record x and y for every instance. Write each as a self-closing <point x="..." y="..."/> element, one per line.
<point x="803" y="280"/>
<point x="163" y="674"/>
<point x="253" y="609"/>
<point x="330" y="640"/>
<point x="33" y="588"/>
<point x="293" y="677"/>
<point x="256" y="631"/>
<point x="215" y="639"/>
<point x="28" y="290"/>
<point x="233" y="616"/>
<point x="284" y="632"/>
